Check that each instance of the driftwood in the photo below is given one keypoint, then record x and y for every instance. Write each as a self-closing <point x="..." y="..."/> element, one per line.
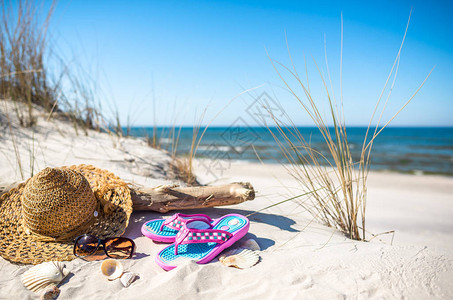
<point x="165" y="198"/>
<point x="171" y="197"/>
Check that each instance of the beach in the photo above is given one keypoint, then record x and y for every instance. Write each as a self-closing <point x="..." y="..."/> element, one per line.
<point x="300" y="258"/>
<point x="226" y="150"/>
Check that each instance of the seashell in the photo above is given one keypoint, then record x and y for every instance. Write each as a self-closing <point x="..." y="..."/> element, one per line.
<point x="50" y="292"/>
<point x="43" y="275"/>
<point x="112" y="269"/>
<point x="127" y="278"/>
<point x="251" y="244"/>
<point x="240" y="258"/>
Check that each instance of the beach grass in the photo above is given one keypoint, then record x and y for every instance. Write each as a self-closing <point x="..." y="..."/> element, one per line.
<point x="184" y="165"/>
<point x="335" y="183"/>
<point x="36" y="80"/>
<point x="31" y="73"/>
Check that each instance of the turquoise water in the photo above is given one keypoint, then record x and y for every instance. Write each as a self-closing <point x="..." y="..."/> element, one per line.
<point x="402" y="149"/>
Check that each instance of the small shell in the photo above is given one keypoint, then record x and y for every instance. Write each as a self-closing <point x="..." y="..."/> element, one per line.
<point x="112" y="269"/>
<point x="49" y="293"/>
<point x="43" y="275"/>
<point x="127" y="278"/>
<point x="240" y="258"/>
<point x="251" y="244"/>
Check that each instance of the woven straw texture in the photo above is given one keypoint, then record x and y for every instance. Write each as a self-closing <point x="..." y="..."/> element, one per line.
<point x="40" y="218"/>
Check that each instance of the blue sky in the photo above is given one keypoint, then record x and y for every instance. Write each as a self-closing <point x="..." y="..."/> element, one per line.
<point x="188" y="55"/>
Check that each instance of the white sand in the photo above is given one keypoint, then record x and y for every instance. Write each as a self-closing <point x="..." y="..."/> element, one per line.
<point x="299" y="259"/>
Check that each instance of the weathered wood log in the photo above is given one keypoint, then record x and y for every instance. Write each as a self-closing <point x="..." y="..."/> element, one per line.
<point x="165" y="198"/>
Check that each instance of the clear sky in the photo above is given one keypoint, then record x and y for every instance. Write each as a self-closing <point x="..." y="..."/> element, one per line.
<point x="187" y="55"/>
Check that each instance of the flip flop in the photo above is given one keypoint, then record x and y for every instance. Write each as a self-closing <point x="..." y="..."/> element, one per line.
<point x="165" y="230"/>
<point x="203" y="245"/>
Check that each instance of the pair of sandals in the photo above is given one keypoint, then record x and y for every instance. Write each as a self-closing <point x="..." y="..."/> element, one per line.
<point x="194" y="237"/>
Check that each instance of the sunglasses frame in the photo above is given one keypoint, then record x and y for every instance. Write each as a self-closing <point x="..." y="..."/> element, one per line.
<point x="102" y="242"/>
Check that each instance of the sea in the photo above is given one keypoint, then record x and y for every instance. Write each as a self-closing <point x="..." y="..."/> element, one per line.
<point x="416" y="150"/>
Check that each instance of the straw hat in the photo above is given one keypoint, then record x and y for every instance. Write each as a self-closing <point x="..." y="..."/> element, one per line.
<point x="40" y="218"/>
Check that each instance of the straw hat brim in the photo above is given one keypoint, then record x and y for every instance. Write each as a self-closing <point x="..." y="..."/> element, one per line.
<point x="18" y="246"/>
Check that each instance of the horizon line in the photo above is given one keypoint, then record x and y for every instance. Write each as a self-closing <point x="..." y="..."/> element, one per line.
<point x="274" y="126"/>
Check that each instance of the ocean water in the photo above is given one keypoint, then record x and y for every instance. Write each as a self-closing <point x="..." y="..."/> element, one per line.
<point x="403" y="149"/>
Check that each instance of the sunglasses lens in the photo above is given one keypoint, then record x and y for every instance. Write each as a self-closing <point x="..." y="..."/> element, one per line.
<point x="119" y="247"/>
<point x="85" y="245"/>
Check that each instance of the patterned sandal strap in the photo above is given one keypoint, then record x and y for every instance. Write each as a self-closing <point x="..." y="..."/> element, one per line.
<point x="187" y="235"/>
<point x="177" y="220"/>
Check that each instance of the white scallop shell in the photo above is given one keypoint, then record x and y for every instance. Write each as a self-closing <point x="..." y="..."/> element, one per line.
<point x="112" y="269"/>
<point x="240" y="258"/>
<point x="127" y="278"/>
<point x="43" y="275"/>
<point x="251" y="244"/>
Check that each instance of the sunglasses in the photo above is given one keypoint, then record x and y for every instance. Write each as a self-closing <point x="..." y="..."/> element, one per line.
<point x="114" y="247"/>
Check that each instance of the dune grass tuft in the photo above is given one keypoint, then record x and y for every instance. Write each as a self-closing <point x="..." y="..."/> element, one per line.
<point x="31" y="73"/>
<point x="23" y="42"/>
<point x="335" y="183"/>
<point x="184" y="165"/>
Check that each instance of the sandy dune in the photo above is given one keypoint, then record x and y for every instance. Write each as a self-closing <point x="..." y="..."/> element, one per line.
<point x="299" y="258"/>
